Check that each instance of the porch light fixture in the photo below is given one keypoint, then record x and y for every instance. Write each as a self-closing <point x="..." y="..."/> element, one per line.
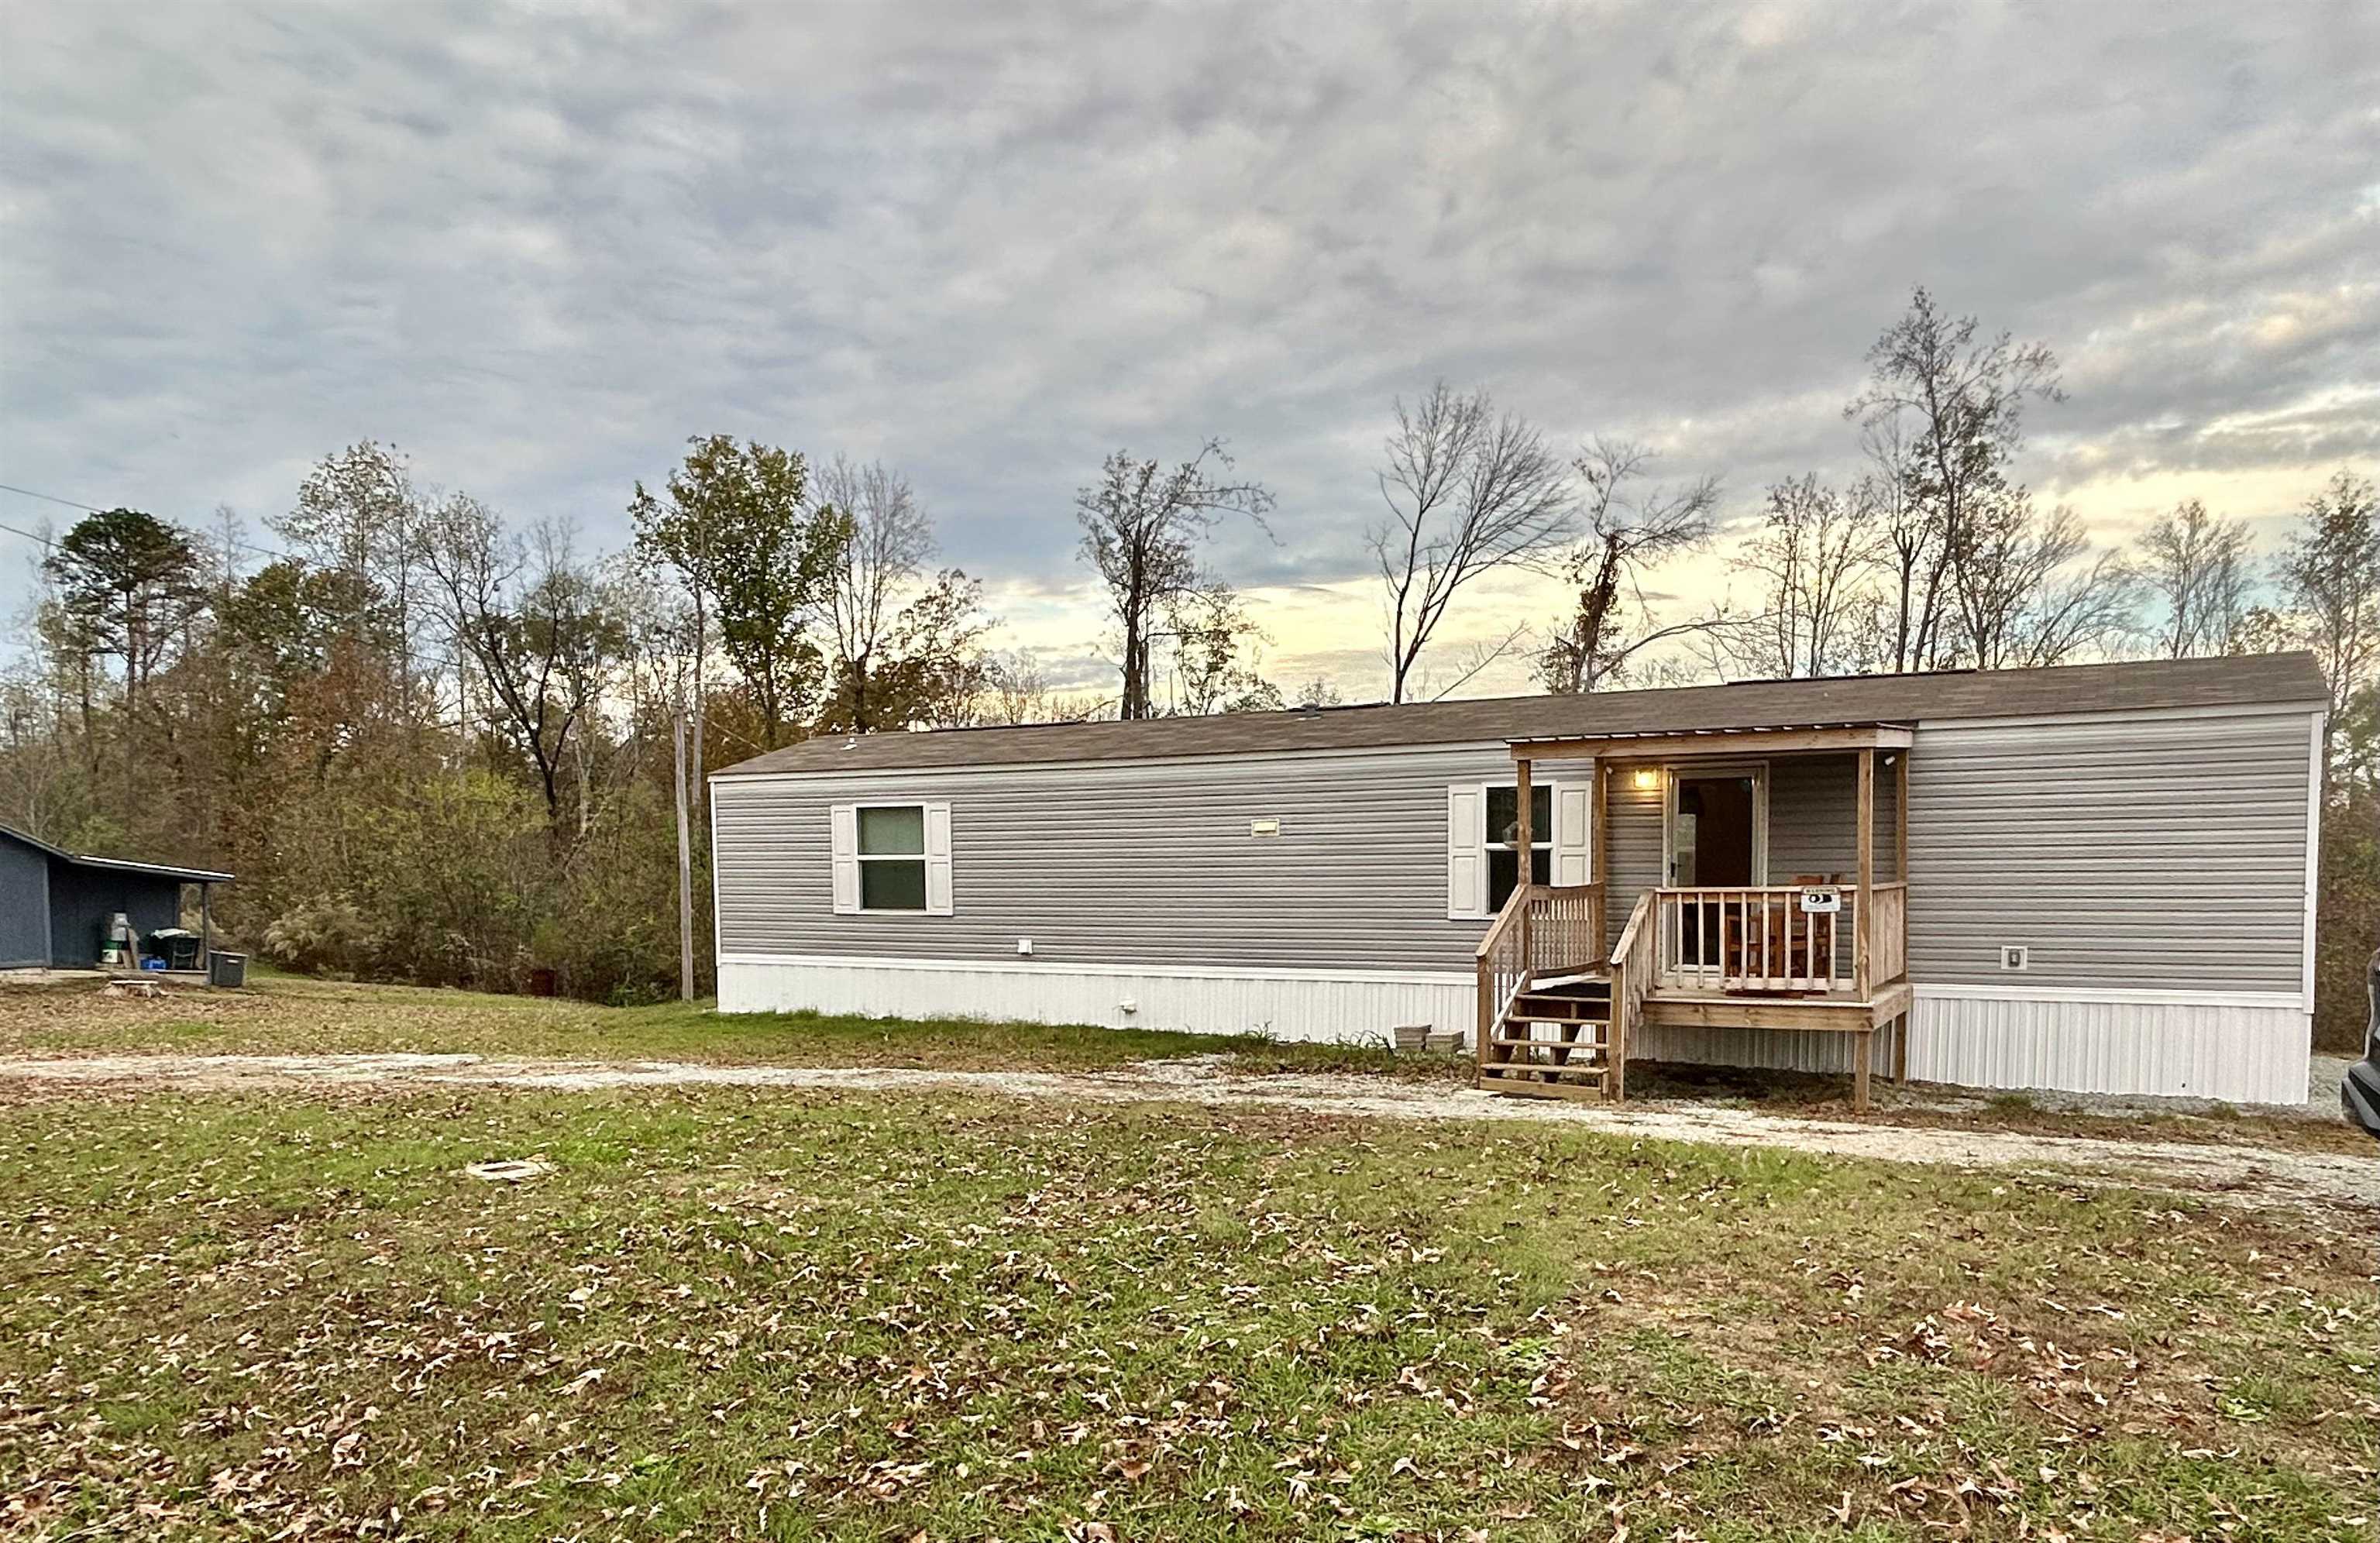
<point x="1648" y="778"/>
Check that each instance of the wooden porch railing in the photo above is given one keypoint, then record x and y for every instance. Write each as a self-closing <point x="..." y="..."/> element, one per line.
<point x="1632" y="976"/>
<point x="1759" y="939"/>
<point x="1889" y="934"/>
<point x="1503" y="965"/>
<point x="1544" y="932"/>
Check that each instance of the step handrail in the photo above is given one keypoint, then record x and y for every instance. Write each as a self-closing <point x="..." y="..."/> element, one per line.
<point x="1632" y="968"/>
<point x="1502" y="965"/>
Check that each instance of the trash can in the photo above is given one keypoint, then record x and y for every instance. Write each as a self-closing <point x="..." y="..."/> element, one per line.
<point x="227" y="969"/>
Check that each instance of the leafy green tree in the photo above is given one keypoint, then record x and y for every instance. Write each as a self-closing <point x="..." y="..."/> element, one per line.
<point x="926" y="669"/>
<point x="736" y="525"/>
<point x="357" y="516"/>
<point x="128" y="585"/>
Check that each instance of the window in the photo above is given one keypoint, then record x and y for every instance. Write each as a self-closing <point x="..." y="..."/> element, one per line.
<point x="892" y="857"/>
<point x="1503" y="822"/>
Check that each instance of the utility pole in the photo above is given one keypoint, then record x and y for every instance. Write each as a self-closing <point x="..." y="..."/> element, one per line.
<point x="685" y="872"/>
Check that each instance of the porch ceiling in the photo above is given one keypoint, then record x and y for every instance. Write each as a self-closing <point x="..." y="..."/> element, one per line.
<point x="1781" y="739"/>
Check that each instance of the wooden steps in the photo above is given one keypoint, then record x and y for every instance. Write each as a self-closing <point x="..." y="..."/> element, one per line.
<point x="1553" y="1041"/>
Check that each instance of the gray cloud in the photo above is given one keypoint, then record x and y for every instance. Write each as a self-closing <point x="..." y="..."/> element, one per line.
<point x="541" y="249"/>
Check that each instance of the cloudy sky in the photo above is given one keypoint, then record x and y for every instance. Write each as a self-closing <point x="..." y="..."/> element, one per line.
<point x="539" y="248"/>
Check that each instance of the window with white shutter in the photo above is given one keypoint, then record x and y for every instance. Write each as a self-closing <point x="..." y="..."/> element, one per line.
<point x="1574" y="831"/>
<point x="1466" y="854"/>
<point x="843" y="828"/>
<point x="892" y="858"/>
<point x="1483" y="861"/>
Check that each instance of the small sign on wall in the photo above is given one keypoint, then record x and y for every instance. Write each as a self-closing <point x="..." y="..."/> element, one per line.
<point x="1264" y="827"/>
<point x="1823" y="900"/>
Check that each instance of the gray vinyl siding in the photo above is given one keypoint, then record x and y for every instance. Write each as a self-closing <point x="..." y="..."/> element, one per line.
<point x="1814" y="818"/>
<point x="2163" y="854"/>
<point x="1123" y="863"/>
<point x="2143" y="852"/>
<point x="1813" y="826"/>
<point x="1632" y="860"/>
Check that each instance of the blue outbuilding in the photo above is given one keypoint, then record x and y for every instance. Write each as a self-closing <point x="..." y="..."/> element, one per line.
<point x="54" y="904"/>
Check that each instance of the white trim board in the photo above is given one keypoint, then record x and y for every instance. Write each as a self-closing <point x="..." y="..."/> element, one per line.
<point x="2317" y="757"/>
<point x="2145" y="997"/>
<point x="1102" y="967"/>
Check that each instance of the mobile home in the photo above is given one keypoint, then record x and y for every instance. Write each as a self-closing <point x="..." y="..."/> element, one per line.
<point x="2096" y="878"/>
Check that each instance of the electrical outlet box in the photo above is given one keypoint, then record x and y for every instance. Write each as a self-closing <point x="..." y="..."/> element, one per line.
<point x="1025" y="945"/>
<point x="2015" y="956"/>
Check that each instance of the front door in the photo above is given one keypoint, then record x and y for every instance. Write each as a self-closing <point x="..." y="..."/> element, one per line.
<point x="1713" y="828"/>
<point x="1714" y="844"/>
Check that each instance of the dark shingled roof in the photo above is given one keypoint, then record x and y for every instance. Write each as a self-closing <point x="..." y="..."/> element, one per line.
<point x="2181" y="683"/>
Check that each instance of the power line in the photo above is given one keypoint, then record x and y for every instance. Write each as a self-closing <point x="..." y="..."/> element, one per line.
<point x="53" y="498"/>
<point x="95" y="509"/>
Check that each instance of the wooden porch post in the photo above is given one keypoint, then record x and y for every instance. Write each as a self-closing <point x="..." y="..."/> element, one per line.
<point x="1602" y="814"/>
<point x="1524" y="866"/>
<point x="1864" y="921"/>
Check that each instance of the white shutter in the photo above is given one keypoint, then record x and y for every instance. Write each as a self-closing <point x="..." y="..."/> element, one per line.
<point x="938" y="860"/>
<point x="1466" y="854"/>
<point x="1574" y="832"/>
<point x="843" y="825"/>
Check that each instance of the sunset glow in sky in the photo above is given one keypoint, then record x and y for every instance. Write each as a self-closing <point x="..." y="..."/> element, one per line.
<point x="539" y="250"/>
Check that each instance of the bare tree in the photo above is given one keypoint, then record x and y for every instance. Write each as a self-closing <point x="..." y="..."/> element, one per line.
<point x="1468" y="491"/>
<point x="1319" y="692"/>
<point x="889" y="540"/>
<point x="1813" y="556"/>
<point x="1911" y="533"/>
<point x="1016" y="690"/>
<point x="1961" y="402"/>
<point x="1444" y="678"/>
<point x="1630" y="529"/>
<point x="535" y="627"/>
<point x="2330" y="579"/>
<point x="1215" y="643"/>
<point x="2029" y="596"/>
<point x="2196" y="565"/>
<point x="1141" y="526"/>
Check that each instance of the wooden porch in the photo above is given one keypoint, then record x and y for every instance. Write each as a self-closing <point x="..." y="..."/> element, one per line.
<point x="1562" y="998"/>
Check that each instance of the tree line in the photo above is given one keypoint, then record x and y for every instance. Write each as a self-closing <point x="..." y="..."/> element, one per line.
<point x="440" y="746"/>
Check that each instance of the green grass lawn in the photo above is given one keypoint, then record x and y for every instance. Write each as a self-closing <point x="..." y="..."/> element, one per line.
<point x="293" y="1016"/>
<point x="728" y="1314"/>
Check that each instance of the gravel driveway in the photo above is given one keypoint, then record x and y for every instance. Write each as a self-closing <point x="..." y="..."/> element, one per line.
<point x="2247" y="1174"/>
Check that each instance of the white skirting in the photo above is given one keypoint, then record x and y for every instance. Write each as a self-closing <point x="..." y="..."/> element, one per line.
<point x="2248" y="1047"/>
<point x="2244" y="1049"/>
<point x="1356" y="1006"/>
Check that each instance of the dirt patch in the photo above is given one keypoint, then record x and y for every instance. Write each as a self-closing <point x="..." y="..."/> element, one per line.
<point x="2249" y="1174"/>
